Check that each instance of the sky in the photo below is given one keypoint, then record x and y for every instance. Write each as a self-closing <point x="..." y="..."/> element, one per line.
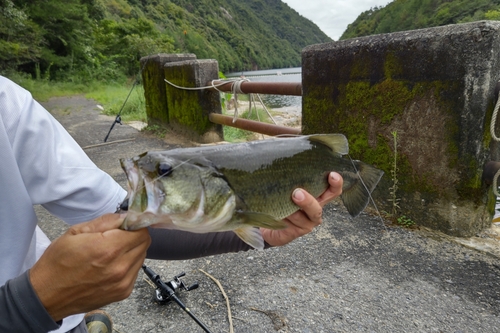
<point x="333" y="16"/>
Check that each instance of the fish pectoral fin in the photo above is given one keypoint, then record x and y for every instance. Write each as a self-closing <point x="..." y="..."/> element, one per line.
<point x="251" y="236"/>
<point x="261" y="220"/>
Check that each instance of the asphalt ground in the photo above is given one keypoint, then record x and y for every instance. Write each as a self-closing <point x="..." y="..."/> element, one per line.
<point x="348" y="275"/>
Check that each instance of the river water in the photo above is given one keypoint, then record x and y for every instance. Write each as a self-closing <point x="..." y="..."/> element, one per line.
<point x="275" y="75"/>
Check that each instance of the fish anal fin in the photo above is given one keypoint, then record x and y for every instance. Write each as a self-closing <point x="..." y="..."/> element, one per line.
<point x="251" y="236"/>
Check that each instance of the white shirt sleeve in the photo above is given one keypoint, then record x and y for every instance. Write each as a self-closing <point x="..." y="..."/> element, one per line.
<point x="55" y="170"/>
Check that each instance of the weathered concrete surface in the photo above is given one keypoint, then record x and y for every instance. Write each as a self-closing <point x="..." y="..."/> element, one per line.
<point x="153" y="78"/>
<point x="188" y="110"/>
<point x="349" y="275"/>
<point x="435" y="88"/>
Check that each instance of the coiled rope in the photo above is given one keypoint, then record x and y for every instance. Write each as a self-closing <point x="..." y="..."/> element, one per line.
<point x="496" y="138"/>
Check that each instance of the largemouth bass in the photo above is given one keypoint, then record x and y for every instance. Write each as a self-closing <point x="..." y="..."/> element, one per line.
<point x="240" y="186"/>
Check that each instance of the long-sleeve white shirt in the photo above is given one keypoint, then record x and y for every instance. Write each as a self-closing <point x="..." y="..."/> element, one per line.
<point x="40" y="163"/>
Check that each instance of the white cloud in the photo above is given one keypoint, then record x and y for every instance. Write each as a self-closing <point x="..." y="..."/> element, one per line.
<point x="333" y="16"/>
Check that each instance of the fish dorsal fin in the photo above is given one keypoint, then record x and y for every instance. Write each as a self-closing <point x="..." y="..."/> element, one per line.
<point x="337" y="142"/>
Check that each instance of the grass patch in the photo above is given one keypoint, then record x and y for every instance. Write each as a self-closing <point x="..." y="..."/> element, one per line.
<point x="111" y="96"/>
<point x="233" y="134"/>
<point x="156" y="130"/>
<point x="42" y="90"/>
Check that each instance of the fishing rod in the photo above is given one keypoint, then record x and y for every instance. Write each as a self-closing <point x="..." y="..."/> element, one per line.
<point x="118" y="119"/>
<point x="165" y="292"/>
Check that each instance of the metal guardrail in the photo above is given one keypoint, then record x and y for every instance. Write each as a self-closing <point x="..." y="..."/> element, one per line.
<point x="271" y="88"/>
<point x="251" y="125"/>
<point x="245" y="87"/>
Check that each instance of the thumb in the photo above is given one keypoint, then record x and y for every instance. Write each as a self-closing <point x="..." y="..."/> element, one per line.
<point x="101" y="224"/>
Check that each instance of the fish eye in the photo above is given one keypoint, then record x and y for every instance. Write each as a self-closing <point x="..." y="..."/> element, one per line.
<point x="164" y="169"/>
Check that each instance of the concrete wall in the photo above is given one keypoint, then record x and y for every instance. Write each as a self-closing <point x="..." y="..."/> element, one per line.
<point x="435" y="89"/>
<point x="182" y="110"/>
<point x="188" y="110"/>
<point x="153" y="78"/>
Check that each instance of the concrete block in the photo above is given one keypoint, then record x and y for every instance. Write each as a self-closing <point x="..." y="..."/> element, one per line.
<point x="188" y="109"/>
<point x="154" y="84"/>
<point x="434" y="89"/>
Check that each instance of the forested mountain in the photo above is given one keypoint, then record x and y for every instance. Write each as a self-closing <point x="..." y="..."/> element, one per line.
<point x="400" y="15"/>
<point x="103" y="39"/>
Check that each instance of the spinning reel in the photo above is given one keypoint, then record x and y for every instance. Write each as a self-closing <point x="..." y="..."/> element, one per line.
<point x="165" y="292"/>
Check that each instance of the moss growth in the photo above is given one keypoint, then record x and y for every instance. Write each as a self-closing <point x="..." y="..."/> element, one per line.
<point x="352" y="105"/>
<point x="185" y="106"/>
<point x="154" y="93"/>
<point x="491" y="202"/>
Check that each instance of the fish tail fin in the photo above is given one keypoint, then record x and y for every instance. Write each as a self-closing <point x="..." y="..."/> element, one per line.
<point x="359" y="186"/>
<point x="249" y="230"/>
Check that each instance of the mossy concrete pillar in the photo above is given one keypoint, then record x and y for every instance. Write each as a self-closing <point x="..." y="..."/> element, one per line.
<point x="188" y="108"/>
<point x="431" y="90"/>
<point x="153" y="79"/>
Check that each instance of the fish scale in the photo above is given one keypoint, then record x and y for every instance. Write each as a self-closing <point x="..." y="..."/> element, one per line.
<point x="262" y="189"/>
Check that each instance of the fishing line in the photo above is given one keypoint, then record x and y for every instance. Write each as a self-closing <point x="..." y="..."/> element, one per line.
<point x="159" y="177"/>
<point x="368" y="191"/>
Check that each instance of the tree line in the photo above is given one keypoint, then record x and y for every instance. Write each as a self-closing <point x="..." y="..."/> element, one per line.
<point x="104" y="39"/>
<point x="402" y="15"/>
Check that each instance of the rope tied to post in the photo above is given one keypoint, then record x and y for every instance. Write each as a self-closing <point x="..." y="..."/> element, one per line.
<point x="496" y="138"/>
<point x="235" y="90"/>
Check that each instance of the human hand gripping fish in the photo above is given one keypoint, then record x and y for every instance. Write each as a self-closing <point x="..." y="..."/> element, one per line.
<point x="308" y="217"/>
<point x="242" y="187"/>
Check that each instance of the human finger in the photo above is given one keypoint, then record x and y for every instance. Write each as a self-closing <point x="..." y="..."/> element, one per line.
<point x="126" y="241"/>
<point x="333" y="191"/>
<point x="102" y="223"/>
<point x="308" y="205"/>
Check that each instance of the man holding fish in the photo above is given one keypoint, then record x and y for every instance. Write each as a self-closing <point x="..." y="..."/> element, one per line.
<point x="45" y="287"/>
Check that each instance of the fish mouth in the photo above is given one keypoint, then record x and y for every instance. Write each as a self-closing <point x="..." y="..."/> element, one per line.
<point x="143" y="197"/>
<point x="133" y="178"/>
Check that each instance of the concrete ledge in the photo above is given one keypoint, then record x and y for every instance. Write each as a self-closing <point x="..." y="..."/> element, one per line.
<point x="435" y="89"/>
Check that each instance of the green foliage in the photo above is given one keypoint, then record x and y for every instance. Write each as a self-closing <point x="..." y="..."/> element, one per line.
<point x="88" y="40"/>
<point x="403" y="15"/>
<point x="42" y="90"/>
<point x="405" y="221"/>
<point x="233" y="134"/>
<point x="113" y="96"/>
<point x="156" y="130"/>
<point x="20" y="38"/>
<point x="394" y="175"/>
